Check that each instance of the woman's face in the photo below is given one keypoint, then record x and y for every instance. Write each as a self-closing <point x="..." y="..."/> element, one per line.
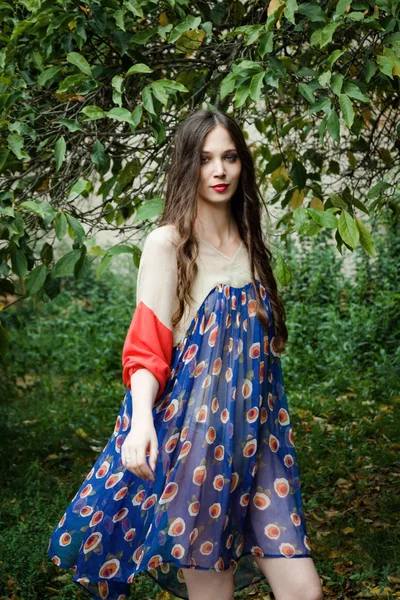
<point x="219" y="164"/>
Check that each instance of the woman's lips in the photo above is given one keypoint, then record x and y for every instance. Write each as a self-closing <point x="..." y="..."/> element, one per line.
<point x="220" y="188"/>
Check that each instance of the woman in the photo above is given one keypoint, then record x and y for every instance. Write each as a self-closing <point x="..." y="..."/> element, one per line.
<point x="219" y="504"/>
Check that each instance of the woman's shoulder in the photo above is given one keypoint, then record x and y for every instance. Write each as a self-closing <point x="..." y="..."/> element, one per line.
<point x="163" y="237"/>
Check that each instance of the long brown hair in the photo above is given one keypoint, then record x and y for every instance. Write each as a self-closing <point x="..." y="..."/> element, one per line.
<point x="183" y="180"/>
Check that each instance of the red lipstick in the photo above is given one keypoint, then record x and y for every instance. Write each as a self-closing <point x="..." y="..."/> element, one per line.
<point x="220" y="187"/>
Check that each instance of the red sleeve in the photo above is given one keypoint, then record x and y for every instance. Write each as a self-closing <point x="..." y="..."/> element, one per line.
<point x="148" y="345"/>
<point x="149" y="340"/>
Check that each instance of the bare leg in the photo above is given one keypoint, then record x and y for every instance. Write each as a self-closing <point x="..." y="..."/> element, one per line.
<point x="291" y="578"/>
<point x="209" y="585"/>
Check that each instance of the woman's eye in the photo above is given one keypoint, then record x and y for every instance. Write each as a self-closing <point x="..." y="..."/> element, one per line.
<point x="230" y="156"/>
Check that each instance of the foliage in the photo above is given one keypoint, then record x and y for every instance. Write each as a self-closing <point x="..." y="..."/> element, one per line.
<point x="342" y="324"/>
<point x="91" y="93"/>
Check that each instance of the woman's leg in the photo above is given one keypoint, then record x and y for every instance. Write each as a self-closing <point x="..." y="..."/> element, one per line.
<point x="209" y="585"/>
<point x="291" y="578"/>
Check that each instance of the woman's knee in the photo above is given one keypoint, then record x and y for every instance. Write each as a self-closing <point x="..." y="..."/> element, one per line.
<point x="296" y="578"/>
<point x="209" y="584"/>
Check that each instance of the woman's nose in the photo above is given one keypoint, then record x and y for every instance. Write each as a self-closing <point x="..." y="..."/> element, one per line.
<point x="219" y="168"/>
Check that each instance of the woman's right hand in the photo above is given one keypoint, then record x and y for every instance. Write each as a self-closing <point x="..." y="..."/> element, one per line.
<point x="141" y="440"/>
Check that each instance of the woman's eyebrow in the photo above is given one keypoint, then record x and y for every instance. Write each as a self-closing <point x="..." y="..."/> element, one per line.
<point x="208" y="151"/>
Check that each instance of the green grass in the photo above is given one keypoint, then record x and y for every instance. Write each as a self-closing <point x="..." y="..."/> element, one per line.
<point x="61" y="392"/>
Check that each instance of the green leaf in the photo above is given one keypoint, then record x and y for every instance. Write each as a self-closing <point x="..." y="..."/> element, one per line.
<point x="79" y="61"/>
<point x="77" y="227"/>
<point x="366" y="238"/>
<point x="100" y="158"/>
<point x="282" y="271"/>
<point x="8" y="211"/>
<point x="312" y="11"/>
<point x="369" y="70"/>
<point x="65" y="265"/>
<point x="327" y="34"/>
<point x="71" y="124"/>
<point x="122" y="249"/>
<point x="298" y="174"/>
<point x="103" y="264"/>
<point x="337" y="201"/>
<point x="137" y="115"/>
<point x="134" y="7"/>
<point x="22" y="128"/>
<point x="148" y="100"/>
<point x="46" y="75"/>
<point x="139" y="68"/>
<point x="19" y="263"/>
<point x="35" y="280"/>
<point x="301" y="220"/>
<point x="325" y="78"/>
<point x="348" y="229"/>
<point x="4" y="153"/>
<point x="279" y="178"/>
<point x="117" y="83"/>
<point x="159" y="92"/>
<point x="228" y="85"/>
<point x="109" y="212"/>
<point x="82" y="185"/>
<point x="307" y="91"/>
<point x="33" y="207"/>
<point x="333" y="57"/>
<point x="242" y="93"/>
<point x="341" y="6"/>
<point x="120" y="114"/>
<point x="337" y="83"/>
<point x="60" y="225"/>
<point x="377" y="189"/>
<point x="172" y="85"/>
<point x="151" y="208"/>
<point x="143" y="36"/>
<point x="72" y="82"/>
<point x="385" y="65"/>
<point x="59" y="152"/>
<point x="93" y="112"/>
<point x="333" y="126"/>
<point x="355" y="16"/>
<point x="119" y="19"/>
<point x="266" y="43"/>
<point x="324" y="218"/>
<point x="347" y="109"/>
<point x="274" y="163"/>
<point x="354" y="91"/>
<point x="291" y="7"/>
<point x="256" y="86"/>
<point x="16" y="144"/>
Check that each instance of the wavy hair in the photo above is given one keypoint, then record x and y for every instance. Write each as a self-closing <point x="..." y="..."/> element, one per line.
<point x="182" y="185"/>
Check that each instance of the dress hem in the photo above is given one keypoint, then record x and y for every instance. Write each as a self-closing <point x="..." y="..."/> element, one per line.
<point x="261" y="577"/>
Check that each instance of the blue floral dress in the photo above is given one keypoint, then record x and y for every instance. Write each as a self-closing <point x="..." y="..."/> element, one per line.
<point x="227" y="484"/>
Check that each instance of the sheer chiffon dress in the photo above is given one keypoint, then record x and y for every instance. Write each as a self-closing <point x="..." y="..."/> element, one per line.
<point x="227" y="484"/>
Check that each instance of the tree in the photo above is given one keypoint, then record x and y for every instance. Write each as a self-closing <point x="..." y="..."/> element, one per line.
<point x="91" y="93"/>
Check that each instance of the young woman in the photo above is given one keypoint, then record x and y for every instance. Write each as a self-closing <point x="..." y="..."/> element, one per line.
<point x="218" y="505"/>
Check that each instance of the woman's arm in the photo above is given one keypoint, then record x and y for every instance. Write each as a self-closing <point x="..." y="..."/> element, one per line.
<point x="147" y="351"/>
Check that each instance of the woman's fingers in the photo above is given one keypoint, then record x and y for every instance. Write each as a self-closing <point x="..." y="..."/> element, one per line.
<point x="153" y="453"/>
<point x="134" y="456"/>
<point x="141" y="456"/>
